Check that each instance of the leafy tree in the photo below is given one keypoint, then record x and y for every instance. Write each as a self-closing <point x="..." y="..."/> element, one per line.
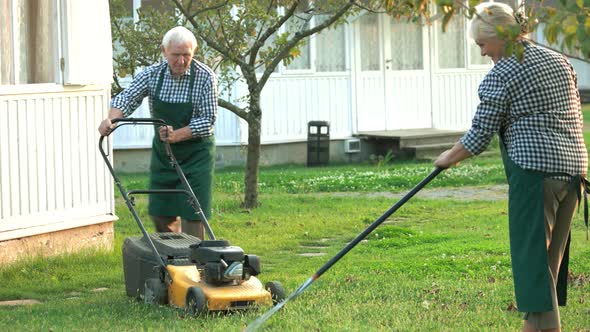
<point x="565" y="24"/>
<point x="245" y="40"/>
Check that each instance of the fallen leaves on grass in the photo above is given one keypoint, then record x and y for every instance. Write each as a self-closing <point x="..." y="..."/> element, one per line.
<point x="511" y="307"/>
<point x="578" y="280"/>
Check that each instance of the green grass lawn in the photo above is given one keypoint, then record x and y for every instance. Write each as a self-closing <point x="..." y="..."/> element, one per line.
<point x="434" y="265"/>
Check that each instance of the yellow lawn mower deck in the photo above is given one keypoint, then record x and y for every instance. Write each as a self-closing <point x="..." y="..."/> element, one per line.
<point x="199" y="276"/>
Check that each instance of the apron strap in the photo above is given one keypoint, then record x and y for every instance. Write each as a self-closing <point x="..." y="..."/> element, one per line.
<point x="586" y="191"/>
<point x="575" y="182"/>
<point x="190" y="87"/>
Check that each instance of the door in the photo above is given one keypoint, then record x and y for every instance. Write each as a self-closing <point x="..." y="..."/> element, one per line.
<point x="407" y="74"/>
<point x="392" y="74"/>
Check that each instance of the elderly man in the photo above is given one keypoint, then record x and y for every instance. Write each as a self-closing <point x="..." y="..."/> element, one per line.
<point x="183" y="92"/>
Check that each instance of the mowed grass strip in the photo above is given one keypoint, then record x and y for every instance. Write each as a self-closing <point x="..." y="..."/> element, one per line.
<point x="439" y="264"/>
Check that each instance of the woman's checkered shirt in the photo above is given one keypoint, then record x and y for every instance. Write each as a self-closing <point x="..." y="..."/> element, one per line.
<point x="535" y="106"/>
<point x="175" y="90"/>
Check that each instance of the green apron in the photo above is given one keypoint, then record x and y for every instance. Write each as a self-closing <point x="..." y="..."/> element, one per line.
<point x="530" y="268"/>
<point x="195" y="156"/>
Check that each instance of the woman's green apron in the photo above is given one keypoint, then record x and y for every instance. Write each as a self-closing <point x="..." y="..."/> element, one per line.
<point x="196" y="158"/>
<point x="528" y="250"/>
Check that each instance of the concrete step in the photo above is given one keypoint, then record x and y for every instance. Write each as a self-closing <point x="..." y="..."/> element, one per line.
<point x="432" y="139"/>
<point x="426" y="151"/>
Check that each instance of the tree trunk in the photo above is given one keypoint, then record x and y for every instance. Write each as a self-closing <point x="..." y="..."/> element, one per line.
<point x="253" y="157"/>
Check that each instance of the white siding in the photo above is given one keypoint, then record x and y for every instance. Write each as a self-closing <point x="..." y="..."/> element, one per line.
<point x="52" y="175"/>
<point x="290" y="102"/>
<point x="454" y="98"/>
<point x="408" y="100"/>
<point x="370" y="101"/>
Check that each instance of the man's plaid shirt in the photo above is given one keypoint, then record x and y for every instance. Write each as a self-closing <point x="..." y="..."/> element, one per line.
<point x="535" y="107"/>
<point x="175" y="90"/>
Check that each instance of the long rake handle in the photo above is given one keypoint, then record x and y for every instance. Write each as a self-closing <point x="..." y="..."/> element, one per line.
<point x="377" y="222"/>
<point x="258" y="322"/>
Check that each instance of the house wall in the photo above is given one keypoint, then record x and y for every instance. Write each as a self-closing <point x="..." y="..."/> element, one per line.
<point x="454" y="98"/>
<point x="351" y="101"/>
<point x="56" y="194"/>
<point x="52" y="176"/>
<point x="137" y="160"/>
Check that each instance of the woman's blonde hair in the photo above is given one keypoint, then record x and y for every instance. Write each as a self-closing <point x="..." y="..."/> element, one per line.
<point x="489" y="15"/>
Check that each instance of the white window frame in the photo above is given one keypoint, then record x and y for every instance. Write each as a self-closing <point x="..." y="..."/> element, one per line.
<point x="347" y="42"/>
<point x="15" y="36"/>
<point x="468" y="58"/>
<point x="437" y="27"/>
<point x="381" y="45"/>
<point x="284" y="70"/>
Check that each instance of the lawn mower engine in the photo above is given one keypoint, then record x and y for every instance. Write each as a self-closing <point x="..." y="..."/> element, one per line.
<point x="221" y="263"/>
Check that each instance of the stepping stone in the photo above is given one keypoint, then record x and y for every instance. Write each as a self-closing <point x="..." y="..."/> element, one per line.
<point x="312" y="254"/>
<point x="101" y="289"/>
<point x="314" y="247"/>
<point x="19" y="302"/>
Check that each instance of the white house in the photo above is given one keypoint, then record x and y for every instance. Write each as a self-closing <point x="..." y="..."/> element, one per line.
<point x="56" y="194"/>
<point x="374" y="74"/>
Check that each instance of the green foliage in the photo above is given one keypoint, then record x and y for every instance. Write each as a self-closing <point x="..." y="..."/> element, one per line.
<point x="363" y="178"/>
<point x="137" y="44"/>
<point x="565" y="23"/>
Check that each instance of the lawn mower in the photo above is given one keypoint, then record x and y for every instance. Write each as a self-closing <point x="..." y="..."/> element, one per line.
<point x="182" y="270"/>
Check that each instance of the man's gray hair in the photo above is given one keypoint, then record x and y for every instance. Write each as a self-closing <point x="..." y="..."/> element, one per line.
<point x="179" y="34"/>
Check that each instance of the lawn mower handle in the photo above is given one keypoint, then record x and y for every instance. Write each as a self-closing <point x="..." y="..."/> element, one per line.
<point x="193" y="201"/>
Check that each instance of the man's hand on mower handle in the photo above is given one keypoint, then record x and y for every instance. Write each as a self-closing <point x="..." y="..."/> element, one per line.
<point x="167" y="134"/>
<point x="106" y="127"/>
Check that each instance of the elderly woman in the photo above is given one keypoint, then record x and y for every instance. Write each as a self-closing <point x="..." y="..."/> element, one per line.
<point x="534" y="106"/>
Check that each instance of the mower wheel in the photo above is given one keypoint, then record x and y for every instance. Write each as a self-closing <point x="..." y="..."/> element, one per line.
<point x="277" y="292"/>
<point x="155" y="292"/>
<point x="196" y="302"/>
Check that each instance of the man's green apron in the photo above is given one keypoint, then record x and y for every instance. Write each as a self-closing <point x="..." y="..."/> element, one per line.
<point x="196" y="158"/>
<point x="528" y="249"/>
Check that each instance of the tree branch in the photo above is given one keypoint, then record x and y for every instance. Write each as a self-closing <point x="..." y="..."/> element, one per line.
<point x="242" y="113"/>
<point x="211" y="42"/>
<point x="206" y="9"/>
<point x="298" y="37"/>
<point x="272" y="29"/>
<point x="229" y="46"/>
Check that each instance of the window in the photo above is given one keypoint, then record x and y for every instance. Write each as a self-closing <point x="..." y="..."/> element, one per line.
<point x="451" y="43"/>
<point x="330" y="46"/>
<point x="475" y="58"/>
<point x="260" y="68"/>
<point x="406" y="45"/>
<point x="369" y="42"/>
<point x="303" y="61"/>
<point x="27" y="35"/>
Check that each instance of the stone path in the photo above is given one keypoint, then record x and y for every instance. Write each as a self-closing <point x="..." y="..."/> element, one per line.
<point x="72" y="295"/>
<point x="483" y="193"/>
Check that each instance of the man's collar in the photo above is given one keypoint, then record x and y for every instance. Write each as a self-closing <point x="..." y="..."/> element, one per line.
<point x="187" y="73"/>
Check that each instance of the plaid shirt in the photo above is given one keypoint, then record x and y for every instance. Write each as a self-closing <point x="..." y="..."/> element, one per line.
<point x="175" y="90"/>
<point x="535" y="108"/>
